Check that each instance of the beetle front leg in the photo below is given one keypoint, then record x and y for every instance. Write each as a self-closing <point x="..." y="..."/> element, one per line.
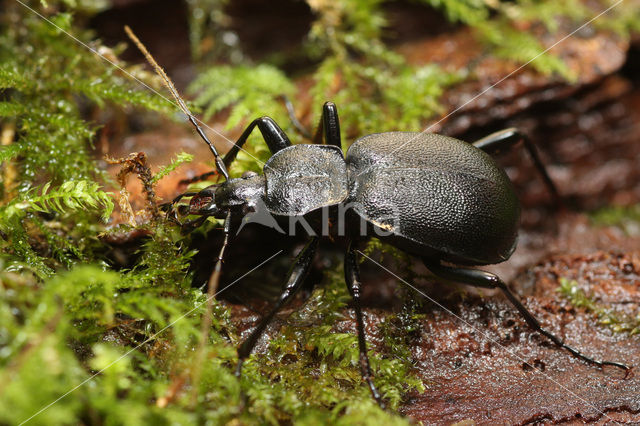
<point x="294" y="282"/>
<point x="485" y="279"/>
<point x="273" y="135"/>
<point x="352" y="278"/>
<point x="506" y="139"/>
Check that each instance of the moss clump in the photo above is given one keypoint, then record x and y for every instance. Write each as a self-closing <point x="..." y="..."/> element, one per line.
<point x="43" y="74"/>
<point x="49" y="82"/>
<point x="617" y="321"/>
<point x="624" y="217"/>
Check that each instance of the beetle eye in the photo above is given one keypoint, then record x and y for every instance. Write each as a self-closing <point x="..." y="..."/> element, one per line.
<point x="201" y="201"/>
<point x="249" y="174"/>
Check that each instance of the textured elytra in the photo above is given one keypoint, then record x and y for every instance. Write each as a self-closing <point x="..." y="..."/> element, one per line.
<point x="436" y="191"/>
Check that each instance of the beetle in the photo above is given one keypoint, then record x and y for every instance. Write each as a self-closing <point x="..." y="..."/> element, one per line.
<point x="453" y="205"/>
<point x="438" y="198"/>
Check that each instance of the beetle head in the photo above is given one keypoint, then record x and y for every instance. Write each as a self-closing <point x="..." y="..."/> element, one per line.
<point x="240" y="195"/>
<point x="204" y="202"/>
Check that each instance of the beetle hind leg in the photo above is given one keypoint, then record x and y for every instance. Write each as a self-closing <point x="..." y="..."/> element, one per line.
<point x="506" y="139"/>
<point x="485" y="279"/>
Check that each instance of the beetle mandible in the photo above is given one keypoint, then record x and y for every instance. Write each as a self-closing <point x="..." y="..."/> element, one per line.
<point x="441" y="199"/>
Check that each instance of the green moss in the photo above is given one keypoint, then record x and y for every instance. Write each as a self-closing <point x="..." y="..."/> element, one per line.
<point x="617" y="321"/>
<point x="49" y="82"/>
<point x="374" y="87"/>
<point x="43" y="71"/>
<point x="311" y="372"/>
<point x="180" y="159"/>
<point x="624" y="217"/>
<point x="253" y="92"/>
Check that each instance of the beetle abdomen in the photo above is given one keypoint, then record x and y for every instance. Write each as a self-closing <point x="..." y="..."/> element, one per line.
<point x="437" y="192"/>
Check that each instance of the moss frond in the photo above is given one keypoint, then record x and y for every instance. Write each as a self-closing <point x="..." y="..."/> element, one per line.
<point x="180" y="159"/>
<point x="625" y="217"/>
<point x="469" y="12"/>
<point x="43" y="71"/>
<point x="250" y="92"/>
<point x="70" y="196"/>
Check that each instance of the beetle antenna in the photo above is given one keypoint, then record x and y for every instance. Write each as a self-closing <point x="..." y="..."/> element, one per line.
<point x="181" y="103"/>
<point x="214" y="281"/>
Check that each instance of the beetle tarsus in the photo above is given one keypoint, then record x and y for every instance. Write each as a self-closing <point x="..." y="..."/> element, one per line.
<point x="238" y="371"/>
<point x="626" y="368"/>
<point x="483" y="279"/>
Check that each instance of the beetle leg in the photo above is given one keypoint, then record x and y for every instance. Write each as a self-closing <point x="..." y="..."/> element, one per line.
<point x="506" y="139"/>
<point x="273" y="135"/>
<point x="352" y="277"/>
<point x="198" y="178"/>
<point x="292" y="116"/>
<point x="294" y="282"/>
<point x="329" y="126"/>
<point x="485" y="279"/>
<point x="328" y="130"/>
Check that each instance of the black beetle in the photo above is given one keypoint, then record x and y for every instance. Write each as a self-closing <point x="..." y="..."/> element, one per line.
<point x="433" y="196"/>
